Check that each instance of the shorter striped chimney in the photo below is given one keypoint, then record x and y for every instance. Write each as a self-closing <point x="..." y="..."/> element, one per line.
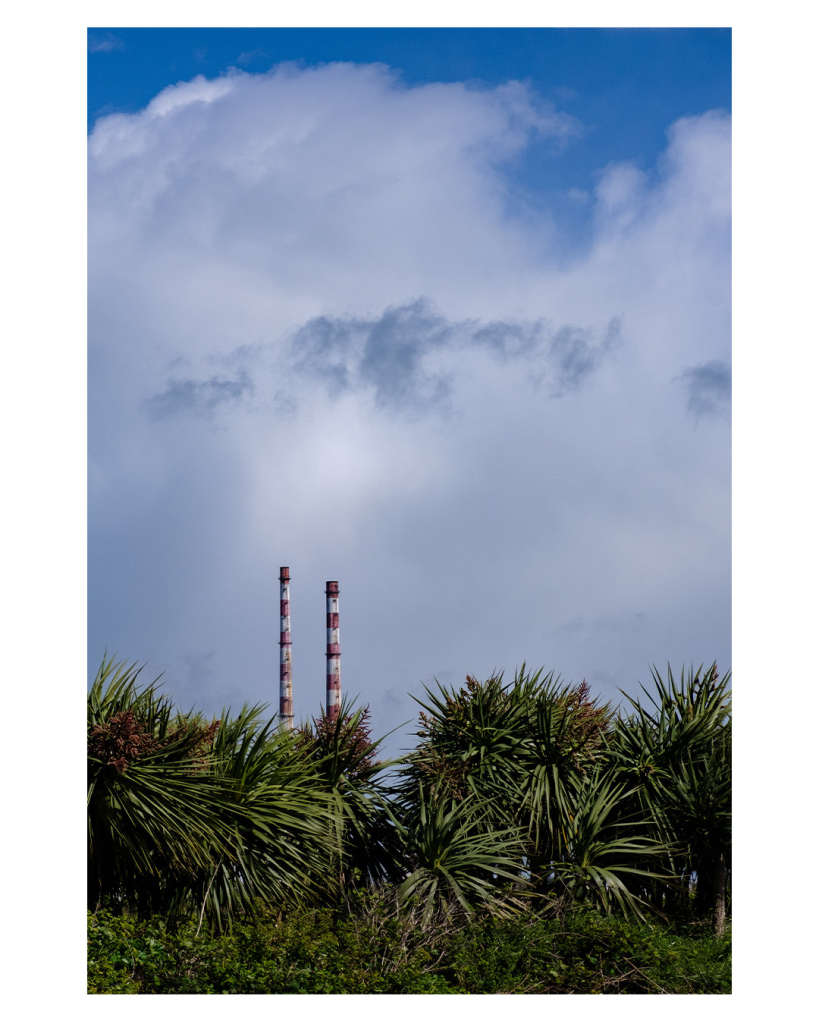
<point x="285" y="662"/>
<point x="333" y="652"/>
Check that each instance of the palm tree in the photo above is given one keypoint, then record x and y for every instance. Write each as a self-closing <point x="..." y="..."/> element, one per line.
<point x="279" y="820"/>
<point x="182" y="812"/>
<point x="340" y="750"/>
<point x="676" y="750"/>
<point x="520" y="789"/>
<point x="530" y="755"/>
<point x="453" y="851"/>
<point x="155" y="801"/>
<point x="604" y="857"/>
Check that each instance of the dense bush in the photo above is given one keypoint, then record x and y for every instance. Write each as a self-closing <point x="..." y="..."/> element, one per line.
<point x="378" y="949"/>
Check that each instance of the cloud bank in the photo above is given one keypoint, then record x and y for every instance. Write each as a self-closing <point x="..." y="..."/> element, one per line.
<point x="325" y="331"/>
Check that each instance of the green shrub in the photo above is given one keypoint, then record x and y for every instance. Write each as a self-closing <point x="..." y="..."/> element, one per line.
<point x="375" y="947"/>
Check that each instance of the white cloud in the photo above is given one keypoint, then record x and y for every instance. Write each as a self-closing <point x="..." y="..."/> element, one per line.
<point x="104" y="43"/>
<point x="254" y="239"/>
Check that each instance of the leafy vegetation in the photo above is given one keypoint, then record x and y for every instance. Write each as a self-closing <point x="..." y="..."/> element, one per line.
<point x="382" y="946"/>
<point x="534" y="841"/>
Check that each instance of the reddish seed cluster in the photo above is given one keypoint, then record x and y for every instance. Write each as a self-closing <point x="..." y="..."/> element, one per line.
<point x="124" y="740"/>
<point x="119" y="741"/>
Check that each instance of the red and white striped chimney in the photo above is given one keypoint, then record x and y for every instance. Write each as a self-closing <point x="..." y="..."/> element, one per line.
<point x="285" y="661"/>
<point x="333" y="652"/>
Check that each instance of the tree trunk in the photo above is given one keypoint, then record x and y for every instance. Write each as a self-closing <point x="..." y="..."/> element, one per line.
<point x="719" y="895"/>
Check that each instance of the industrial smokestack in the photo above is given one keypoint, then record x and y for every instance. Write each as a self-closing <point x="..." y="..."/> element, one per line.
<point x="333" y="652"/>
<point x="285" y="662"/>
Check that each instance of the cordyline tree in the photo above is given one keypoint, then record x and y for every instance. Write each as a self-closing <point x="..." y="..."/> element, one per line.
<point x="219" y="816"/>
<point x="183" y="813"/>
<point x="625" y="810"/>
<point x="521" y="793"/>
<point x="675" y="748"/>
<point x="341" y="751"/>
<point x="526" y="761"/>
<point x="155" y="807"/>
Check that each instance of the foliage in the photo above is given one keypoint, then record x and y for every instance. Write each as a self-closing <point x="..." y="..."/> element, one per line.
<point x="676" y="749"/>
<point x="526" y="799"/>
<point x="279" y="818"/>
<point x="341" y="751"/>
<point x="455" y="852"/>
<point x="156" y="807"/>
<point x="603" y="852"/>
<point x="182" y="812"/>
<point x="383" y="946"/>
<point x="531" y="755"/>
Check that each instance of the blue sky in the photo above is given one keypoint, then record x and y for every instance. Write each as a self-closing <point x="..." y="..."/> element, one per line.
<point x="453" y="329"/>
<point x="624" y="86"/>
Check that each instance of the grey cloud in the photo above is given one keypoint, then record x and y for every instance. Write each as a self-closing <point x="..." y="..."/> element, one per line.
<point x="388" y="355"/>
<point x="709" y="388"/>
<point x="599" y="629"/>
<point x="385" y="354"/>
<point x="197" y="671"/>
<point x="395" y="347"/>
<point x="576" y="357"/>
<point x="510" y="340"/>
<point x="200" y="397"/>
<point x="323" y="345"/>
<point x="285" y="405"/>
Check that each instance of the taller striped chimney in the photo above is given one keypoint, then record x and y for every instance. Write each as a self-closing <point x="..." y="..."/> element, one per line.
<point x="285" y="662"/>
<point x="333" y="652"/>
